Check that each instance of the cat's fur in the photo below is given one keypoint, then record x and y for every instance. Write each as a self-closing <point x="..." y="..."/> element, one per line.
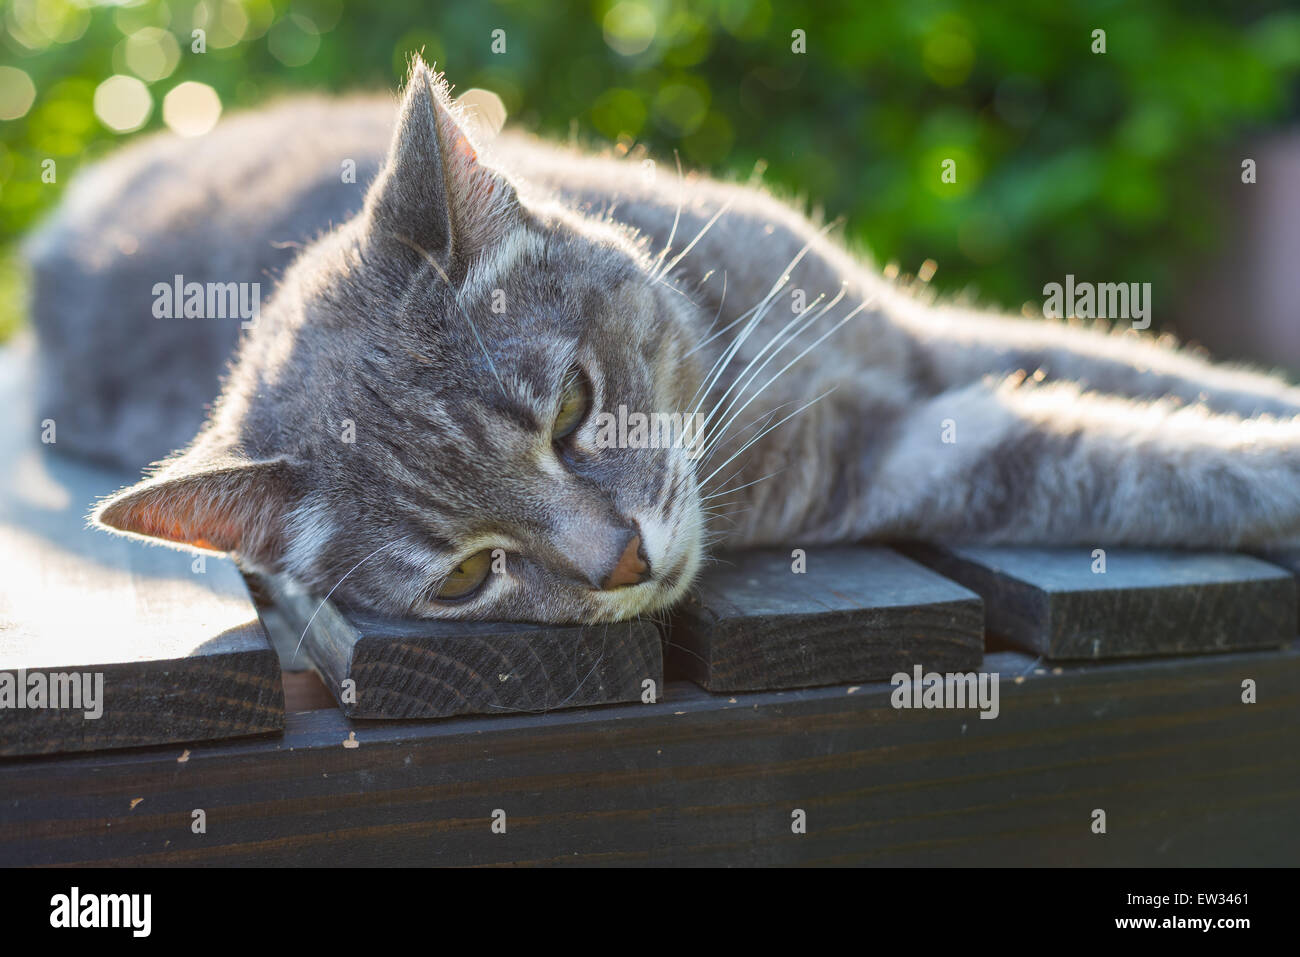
<point x="668" y="292"/>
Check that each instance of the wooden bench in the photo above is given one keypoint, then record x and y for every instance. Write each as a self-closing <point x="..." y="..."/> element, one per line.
<point x="1185" y="773"/>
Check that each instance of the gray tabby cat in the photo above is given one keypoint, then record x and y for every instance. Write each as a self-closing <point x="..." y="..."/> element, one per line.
<point x="423" y="390"/>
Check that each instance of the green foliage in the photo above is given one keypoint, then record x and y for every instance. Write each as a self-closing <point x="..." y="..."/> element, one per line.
<point x="1105" y="165"/>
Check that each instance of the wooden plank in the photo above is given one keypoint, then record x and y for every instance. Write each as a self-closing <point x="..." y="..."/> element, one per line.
<point x="430" y="669"/>
<point x="1146" y="602"/>
<point x="1187" y="774"/>
<point x="304" y="691"/>
<point x="169" y="650"/>
<point x="285" y="638"/>
<point x="303" y="688"/>
<point x="854" y="614"/>
<point x="1288" y="558"/>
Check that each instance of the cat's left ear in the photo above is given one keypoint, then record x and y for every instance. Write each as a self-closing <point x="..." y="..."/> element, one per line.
<point x="224" y="504"/>
<point x="435" y="194"/>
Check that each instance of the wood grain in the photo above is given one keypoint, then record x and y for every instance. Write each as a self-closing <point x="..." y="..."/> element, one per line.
<point x="854" y="614"/>
<point x="1288" y="558"/>
<point x="1147" y="602"/>
<point x="178" y="646"/>
<point x="1188" y="776"/>
<point x="427" y="669"/>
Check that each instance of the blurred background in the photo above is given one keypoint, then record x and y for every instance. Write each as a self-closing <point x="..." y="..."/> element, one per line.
<point x="1122" y="166"/>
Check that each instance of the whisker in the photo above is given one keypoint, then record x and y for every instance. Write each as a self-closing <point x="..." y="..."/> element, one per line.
<point x="667" y="270"/>
<point x="673" y="644"/>
<point x="728" y="491"/>
<point x="707" y="382"/>
<point x="758" y="311"/>
<point x="717" y="315"/>
<point x="763" y="433"/>
<point x="726" y="437"/>
<point x="814" y="345"/>
<point x="572" y="694"/>
<point x="303" y="636"/>
<point x="784" y="278"/>
<point x="742" y="382"/>
<point x="672" y="233"/>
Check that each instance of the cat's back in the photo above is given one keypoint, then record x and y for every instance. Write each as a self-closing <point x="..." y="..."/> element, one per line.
<point x="232" y="206"/>
<point x="257" y="168"/>
<point x="697" y="228"/>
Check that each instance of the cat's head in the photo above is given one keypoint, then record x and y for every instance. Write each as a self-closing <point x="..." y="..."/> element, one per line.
<point x="415" y="419"/>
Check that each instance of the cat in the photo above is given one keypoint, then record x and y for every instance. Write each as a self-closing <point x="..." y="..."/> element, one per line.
<point x="411" y="423"/>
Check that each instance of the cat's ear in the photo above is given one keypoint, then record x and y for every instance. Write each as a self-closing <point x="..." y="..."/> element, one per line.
<point x="224" y="504"/>
<point x="435" y="194"/>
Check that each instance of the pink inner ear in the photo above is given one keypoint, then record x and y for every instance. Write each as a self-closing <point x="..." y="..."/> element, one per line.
<point x="218" y="536"/>
<point x="231" y="509"/>
<point x="477" y="198"/>
<point x="463" y="158"/>
<point x="183" y="519"/>
<point x="465" y="148"/>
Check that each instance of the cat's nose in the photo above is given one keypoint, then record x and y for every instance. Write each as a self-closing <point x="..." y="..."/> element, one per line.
<point x="632" y="568"/>
<point x="599" y="551"/>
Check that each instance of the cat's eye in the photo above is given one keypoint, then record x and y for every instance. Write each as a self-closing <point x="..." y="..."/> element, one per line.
<point x="575" y="399"/>
<point x="467" y="577"/>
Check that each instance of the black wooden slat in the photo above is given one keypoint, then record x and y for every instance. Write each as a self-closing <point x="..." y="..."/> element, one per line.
<point x="1187" y="774"/>
<point x="1288" y="558"/>
<point x="1147" y="602"/>
<point x="853" y="614"/>
<point x="178" y="649"/>
<point x="427" y="669"/>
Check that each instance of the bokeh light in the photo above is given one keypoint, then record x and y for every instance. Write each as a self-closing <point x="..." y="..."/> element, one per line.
<point x="224" y="22"/>
<point x="680" y="107"/>
<point x="36" y="24"/>
<point x="619" y="112"/>
<point x="294" y="40"/>
<point x="629" y="28"/>
<point x="16" y="93"/>
<point x="151" y="53"/>
<point x="191" y="109"/>
<point x="123" y="103"/>
<point x="130" y="17"/>
<point x="62" y="124"/>
<point x="948" y="52"/>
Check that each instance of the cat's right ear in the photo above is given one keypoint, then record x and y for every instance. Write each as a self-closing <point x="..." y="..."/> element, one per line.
<point x="435" y="195"/>
<point x="226" y="504"/>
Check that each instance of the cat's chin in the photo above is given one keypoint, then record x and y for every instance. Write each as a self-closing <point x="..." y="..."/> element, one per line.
<point x="638" y="600"/>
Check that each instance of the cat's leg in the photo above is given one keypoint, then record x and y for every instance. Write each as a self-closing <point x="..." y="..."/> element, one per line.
<point x="949" y="347"/>
<point x="1014" y="461"/>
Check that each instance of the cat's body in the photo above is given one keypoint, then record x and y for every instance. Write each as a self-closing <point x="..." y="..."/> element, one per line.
<point x="236" y="205"/>
<point x="930" y="422"/>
